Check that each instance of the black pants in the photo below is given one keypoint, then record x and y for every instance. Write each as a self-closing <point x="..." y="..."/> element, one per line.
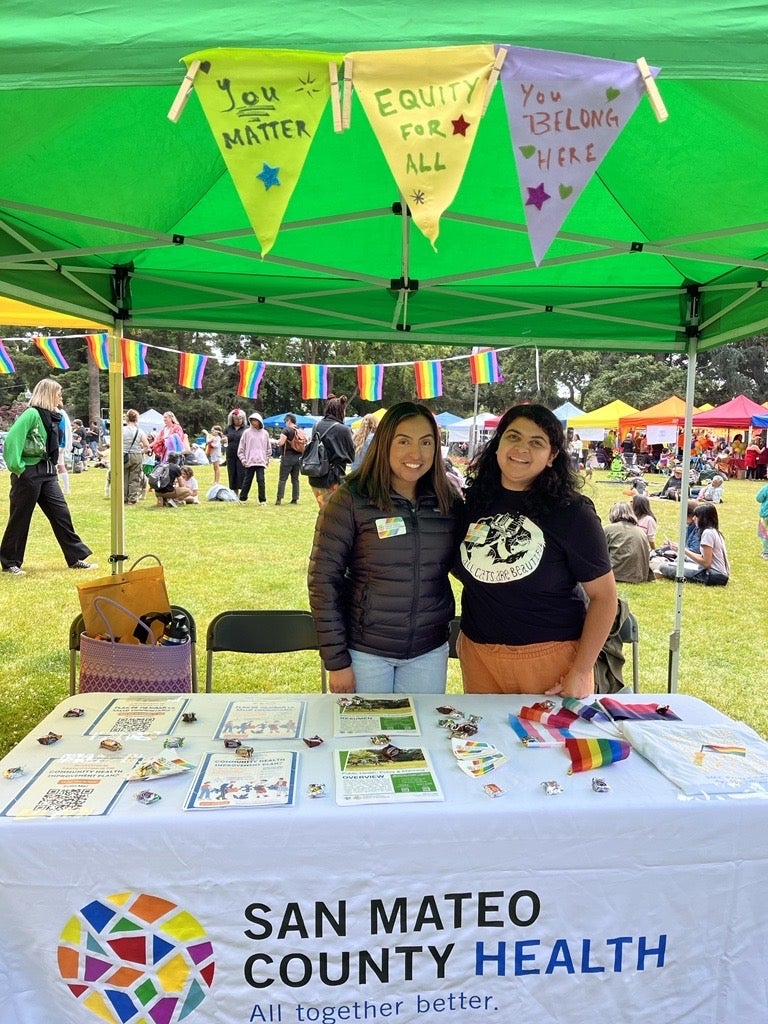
<point x="39" y="485"/>
<point x="248" y="474"/>
<point x="289" y="469"/>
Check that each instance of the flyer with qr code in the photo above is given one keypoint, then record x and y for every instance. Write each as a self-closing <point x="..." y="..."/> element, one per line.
<point x="71" y="789"/>
<point x="138" y="716"/>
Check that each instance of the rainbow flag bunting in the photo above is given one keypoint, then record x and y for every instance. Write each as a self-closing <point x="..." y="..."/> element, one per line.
<point x="6" y="365"/>
<point x="484" y="368"/>
<point x="191" y="370"/>
<point x="429" y="378"/>
<point x="134" y="358"/>
<point x="251" y="372"/>
<point x="314" y="380"/>
<point x="50" y="351"/>
<point x="370" y="382"/>
<point x="98" y="346"/>
<point x="588" y="754"/>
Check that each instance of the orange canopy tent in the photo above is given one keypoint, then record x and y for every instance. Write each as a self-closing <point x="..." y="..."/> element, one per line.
<point x="670" y="411"/>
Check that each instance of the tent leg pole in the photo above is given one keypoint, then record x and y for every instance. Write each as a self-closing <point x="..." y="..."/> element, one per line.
<point x="673" y="666"/>
<point x="117" y="508"/>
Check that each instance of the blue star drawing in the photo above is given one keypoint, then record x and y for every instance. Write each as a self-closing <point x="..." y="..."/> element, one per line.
<point x="537" y="196"/>
<point x="269" y="176"/>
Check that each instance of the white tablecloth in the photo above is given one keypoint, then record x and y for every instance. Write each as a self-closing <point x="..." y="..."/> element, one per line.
<point x="636" y="905"/>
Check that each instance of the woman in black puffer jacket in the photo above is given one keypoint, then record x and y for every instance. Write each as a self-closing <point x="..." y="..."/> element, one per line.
<point x="378" y="574"/>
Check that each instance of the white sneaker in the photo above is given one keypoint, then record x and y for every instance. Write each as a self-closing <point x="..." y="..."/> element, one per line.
<point x="80" y="564"/>
<point x="15" y="570"/>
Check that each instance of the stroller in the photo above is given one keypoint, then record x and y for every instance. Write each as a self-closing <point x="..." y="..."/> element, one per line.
<point x="78" y="457"/>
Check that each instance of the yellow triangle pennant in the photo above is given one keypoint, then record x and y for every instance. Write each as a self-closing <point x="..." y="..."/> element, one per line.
<point x="424" y="106"/>
<point x="264" y="107"/>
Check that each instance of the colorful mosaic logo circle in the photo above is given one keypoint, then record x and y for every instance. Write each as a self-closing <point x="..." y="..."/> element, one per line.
<point x="136" y="958"/>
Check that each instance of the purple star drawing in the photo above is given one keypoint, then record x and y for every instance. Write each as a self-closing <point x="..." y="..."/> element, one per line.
<point x="269" y="176"/>
<point x="537" y="196"/>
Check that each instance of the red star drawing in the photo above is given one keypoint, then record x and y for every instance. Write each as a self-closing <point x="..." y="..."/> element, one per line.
<point x="537" y="196"/>
<point x="460" y="126"/>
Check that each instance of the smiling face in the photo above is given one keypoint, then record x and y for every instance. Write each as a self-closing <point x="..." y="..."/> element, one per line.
<point x="411" y="454"/>
<point x="524" y="452"/>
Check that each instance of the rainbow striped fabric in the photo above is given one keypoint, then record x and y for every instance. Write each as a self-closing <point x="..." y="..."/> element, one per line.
<point x="429" y="378"/>
<point x="534" y="733"/>
<point x="588" y="754"/>
<point x="98" y="346"/>
<point x="251" y="373"/>
<point x="484" y="368"/>
<point x="370" y="382"/>
<point x="314" y="380"/>
<point x="50" y="351"/>
<point x="6" y="364"/>
<point x="559" y="719"/>
<point x="134" y="358"/>
<point x="191" y="370"/>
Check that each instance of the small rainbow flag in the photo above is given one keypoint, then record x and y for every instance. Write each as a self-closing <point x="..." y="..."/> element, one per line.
<point x="6" y="364"/>
<point x="559" y="719"/>
<point x="134" y="358"/>
<point x="98" y="346"/>
<point x="484" y="368"/>
<point x="314" y="380"/>
<point x="50" y="351"/>
<point x="587" y="754"/>
<point x="429" y="378"/>
<point x="191" y="370"/>
<point x="251" y="372"/>
<point x="370" y="382"/>
<point x="621" y="711"/>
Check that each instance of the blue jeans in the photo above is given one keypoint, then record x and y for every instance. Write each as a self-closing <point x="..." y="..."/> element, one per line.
<point x="425" y="674"/>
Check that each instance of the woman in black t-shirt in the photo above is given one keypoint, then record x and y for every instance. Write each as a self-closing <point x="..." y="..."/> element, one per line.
<point x="530" y="540"/>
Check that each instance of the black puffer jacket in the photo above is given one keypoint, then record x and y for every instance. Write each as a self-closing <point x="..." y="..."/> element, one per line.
<point x="382" y="594"/>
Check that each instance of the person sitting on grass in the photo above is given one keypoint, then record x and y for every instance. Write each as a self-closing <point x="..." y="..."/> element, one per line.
<point x="672" y="489"/>
<point x="710" y="566"/>
<point x="713" y="492"/>
<point x="628" y="546"/>
<point x="175" y="493"/>
<point x="189" y="481"/>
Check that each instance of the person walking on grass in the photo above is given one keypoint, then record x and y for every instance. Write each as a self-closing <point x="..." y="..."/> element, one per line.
<point x="32" y="454"/>
<point x="254" y="451"/>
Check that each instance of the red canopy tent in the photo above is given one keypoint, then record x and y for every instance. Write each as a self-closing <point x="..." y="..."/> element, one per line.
<point x="736" y="413"/>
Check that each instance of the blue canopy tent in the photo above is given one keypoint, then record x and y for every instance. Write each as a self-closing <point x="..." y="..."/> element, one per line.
<point x="301" y="420"/>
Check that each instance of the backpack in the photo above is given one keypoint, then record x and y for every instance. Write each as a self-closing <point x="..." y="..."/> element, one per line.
<point x="315" y="461"/>
<point x="299" y="441"/>
<point x="160" y="477"/>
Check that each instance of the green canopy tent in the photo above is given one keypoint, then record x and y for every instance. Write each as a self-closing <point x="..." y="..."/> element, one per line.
<point x="109" y="209"/>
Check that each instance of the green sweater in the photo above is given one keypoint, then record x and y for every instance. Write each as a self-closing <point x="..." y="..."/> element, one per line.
<point x="15" y="438"/>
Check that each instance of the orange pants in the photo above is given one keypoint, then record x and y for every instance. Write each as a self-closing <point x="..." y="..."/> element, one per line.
<point x="500" y="668"/>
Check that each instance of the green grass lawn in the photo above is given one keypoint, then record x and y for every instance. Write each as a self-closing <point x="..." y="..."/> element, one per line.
<point x="219" y="555"/>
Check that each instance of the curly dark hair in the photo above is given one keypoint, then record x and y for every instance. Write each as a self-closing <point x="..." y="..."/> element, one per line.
<point x="555" y="487"/>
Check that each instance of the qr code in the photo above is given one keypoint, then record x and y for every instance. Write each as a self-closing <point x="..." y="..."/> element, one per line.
<point x="132" y="724"/>
<point x="63" y="800"/>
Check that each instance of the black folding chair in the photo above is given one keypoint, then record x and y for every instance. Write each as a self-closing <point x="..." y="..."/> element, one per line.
<point x="258" y="631"/>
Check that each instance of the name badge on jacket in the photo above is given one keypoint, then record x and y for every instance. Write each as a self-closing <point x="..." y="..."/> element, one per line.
<point x="391" y="527"/>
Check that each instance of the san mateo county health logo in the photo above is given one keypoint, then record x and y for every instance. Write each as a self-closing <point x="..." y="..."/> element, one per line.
<point x="136" y="958"/>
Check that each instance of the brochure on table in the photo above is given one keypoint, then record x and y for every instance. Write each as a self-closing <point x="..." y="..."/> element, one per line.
<point x="225" y="780"/>
<point x="262" y="719"/>
<point x="125" y="716"/>
<point x="71" y="787"/>
<point x="360" y="715"/>
<point x="390" y="774"/>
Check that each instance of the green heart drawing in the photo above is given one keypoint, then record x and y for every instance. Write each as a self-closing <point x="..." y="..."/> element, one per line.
<point x="527" y="151"/>
<point x="611" y="94"/>
<point x="564" y="190"/>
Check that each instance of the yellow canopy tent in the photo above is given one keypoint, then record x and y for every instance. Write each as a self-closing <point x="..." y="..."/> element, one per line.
<point x="21" y="314"/>
<point x="606" y="417"/>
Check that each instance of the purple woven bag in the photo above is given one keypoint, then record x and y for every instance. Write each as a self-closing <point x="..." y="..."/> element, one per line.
<point x="111" y="667"/>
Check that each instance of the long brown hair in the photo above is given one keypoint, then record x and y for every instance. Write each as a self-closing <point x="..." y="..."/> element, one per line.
<point x="375" y="473"/>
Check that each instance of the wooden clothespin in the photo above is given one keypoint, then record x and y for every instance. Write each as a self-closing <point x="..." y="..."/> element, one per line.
<point x="498" y="64"/>
<point x="177" y="107"/>
<point x="653" y="91"/>
<point x="333" y="74"/>
<point x="346" y="100"/>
